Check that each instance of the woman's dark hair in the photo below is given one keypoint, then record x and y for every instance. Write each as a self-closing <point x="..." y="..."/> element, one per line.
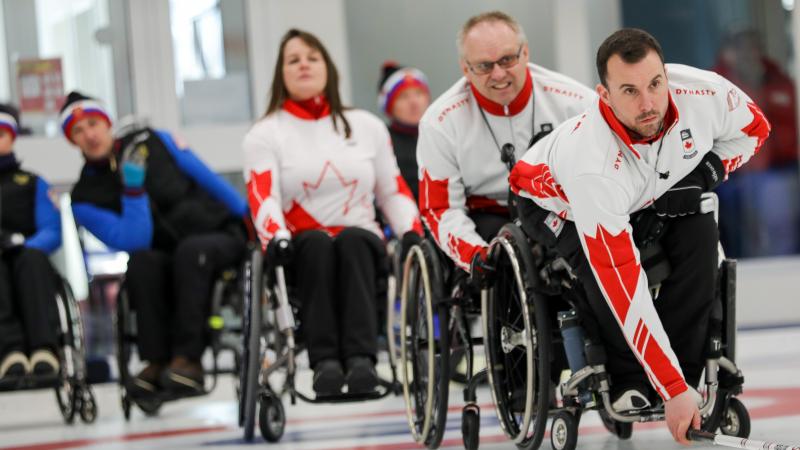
<point x="631" y="44"/>
<point x="279" y="94"/>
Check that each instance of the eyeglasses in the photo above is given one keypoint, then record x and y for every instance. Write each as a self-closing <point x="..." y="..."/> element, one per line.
<point x="506" y="62"/>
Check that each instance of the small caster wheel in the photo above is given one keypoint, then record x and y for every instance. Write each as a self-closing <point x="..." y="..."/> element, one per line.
<point x="564" y="431"/>
<point x="471" y="426"/>
<point x="735" y="419"/>
<point x="150" y="407"/>
<point x="88" y="410"/>
<point x="271" y="417"/>
<point x="622" y="430"/>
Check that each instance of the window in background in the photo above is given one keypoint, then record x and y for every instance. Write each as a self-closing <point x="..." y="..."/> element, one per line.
<point x="53" y="47"/>
<point x="211" y="67"/>
<point x="748" y="42"/>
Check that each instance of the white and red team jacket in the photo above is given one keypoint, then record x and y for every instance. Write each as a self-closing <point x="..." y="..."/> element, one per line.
<point x="590" y="172"/>
<point x="301" y="174"/>
<point x="460" y="169"/>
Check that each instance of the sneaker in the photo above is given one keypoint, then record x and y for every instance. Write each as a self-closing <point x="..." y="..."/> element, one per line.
<point x="361" y="375"/>
<point x="630" y="400"/>
<point x="44" y="363"/>
<point x="184" y="376"/>
<point x="328" y="377"/>
<point x="14" y="365"/>
<point x="147" y="383"/>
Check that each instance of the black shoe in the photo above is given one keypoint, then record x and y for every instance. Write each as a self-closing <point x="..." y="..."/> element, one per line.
<point x="14" y="365"/>
<point x="184" y="377"/>
<point x="147" y="383"/>
<point x="361" y="375"/>
<point x="328" y="377"/>
<point x="44" y="363"/>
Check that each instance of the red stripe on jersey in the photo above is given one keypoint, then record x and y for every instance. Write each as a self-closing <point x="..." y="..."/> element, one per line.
<point x="298" y="219"/>
<point x="402" y="187"/>
<point x="259" y="189"/>
<point x="759" y="127"/>
<point x="614" y="262"/>
<point x="434" y="200"/>
<point x="663" y="369"/>
<point x="485" y="204"/>
<point x="535" y="180"/>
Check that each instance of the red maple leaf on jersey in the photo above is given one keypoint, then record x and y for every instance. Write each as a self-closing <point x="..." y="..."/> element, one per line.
<point x="327" y="170"/>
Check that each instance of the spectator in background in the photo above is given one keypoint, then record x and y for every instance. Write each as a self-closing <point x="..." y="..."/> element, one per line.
<point x="30" y="229"/>
<point x="760" y="206"/>
<point x="403" y="95"/>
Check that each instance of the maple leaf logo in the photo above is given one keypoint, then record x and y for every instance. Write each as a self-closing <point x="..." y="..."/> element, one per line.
<point x="330" y="172"/>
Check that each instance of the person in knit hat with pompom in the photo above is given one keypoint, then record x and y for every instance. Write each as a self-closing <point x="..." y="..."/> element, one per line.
<point x="403" y="95"/>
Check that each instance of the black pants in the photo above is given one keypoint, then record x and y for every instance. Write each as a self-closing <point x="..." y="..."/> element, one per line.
<point x="335" y="279"/>
<point x="172" y="292"/>
<point x="683" y="305"/>
<point x="28" y="314"/>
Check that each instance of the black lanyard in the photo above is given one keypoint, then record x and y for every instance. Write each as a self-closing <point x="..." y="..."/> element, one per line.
<point x="507" y="150"/>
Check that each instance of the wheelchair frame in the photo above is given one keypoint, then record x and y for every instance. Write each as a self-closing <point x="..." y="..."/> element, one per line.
<point x="270" y="349"/>
<point x="720" y="408"/>
<point x="74" y="395"/>
<point x="219" y="329"/>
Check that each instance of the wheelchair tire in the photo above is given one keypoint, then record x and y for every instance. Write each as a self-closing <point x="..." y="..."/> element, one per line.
<point x="426" y="391"/>
<point x="67" y="399"/>
<point x="88" y="409"/>
<point x="150" y="407"/>
<point x="564" y="431"/>
<point x="471" y="426"/>
<point x="271" y="417"/>
<point x="622" y="430"/>
<point x="251" y="341"/>
<point x="517" y="340"/>
<point x="126" y="406"/>
<point x="735" y="420"/>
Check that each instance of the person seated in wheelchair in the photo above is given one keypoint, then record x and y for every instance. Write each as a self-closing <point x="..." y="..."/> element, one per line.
<point x="146" y="193"/>
<point x="314" y="170"/>
<point x="627" y="172"/>
<point x="30" y="229"/>
<point x="469" y="135"/>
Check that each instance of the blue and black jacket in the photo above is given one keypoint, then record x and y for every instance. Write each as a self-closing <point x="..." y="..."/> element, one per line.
<point x="181" y="197"/>
<point x="26" y="207"/>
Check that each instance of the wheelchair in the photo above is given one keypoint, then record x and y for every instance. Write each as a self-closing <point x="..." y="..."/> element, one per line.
<point x="224" y="331"/>
<point x="272" y="340"/>
<point x="437" y="306"/>
<point x="73" y="393"/>
<point x="523" y="330"/>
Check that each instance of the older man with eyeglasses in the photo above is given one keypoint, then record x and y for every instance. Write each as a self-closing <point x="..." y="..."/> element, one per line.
<point x="472" y="135"/>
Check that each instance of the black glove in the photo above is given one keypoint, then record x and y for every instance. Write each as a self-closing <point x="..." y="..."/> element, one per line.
<point x="11" y="241"/>
<point x="280" y="250"/>
<point x="684" y="197"/>
<point x="480" y="271"/>
<point x="410" y="239"/>
<point x="647" y="227"/>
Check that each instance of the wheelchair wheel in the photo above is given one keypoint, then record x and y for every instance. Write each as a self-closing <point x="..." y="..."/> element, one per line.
<point x="271" y="417"/>
<point x="124" y="337"/>
<point x="517" y="341"/>
<point x="70" y="390"/>
<point x="424" y="346"/>
<point x="564" y="431"/>
<point x="735" y="420"/>
<point x="622" y="430"/>
<point x="67" y="399"/>
<point x="471" y="426"/>
<point x="393" y="302"/>
<point x="251" y="342"/>
<point x="88" y="410"/>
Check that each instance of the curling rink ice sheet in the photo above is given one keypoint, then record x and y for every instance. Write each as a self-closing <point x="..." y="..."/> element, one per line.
<point x="770" y="360"/>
